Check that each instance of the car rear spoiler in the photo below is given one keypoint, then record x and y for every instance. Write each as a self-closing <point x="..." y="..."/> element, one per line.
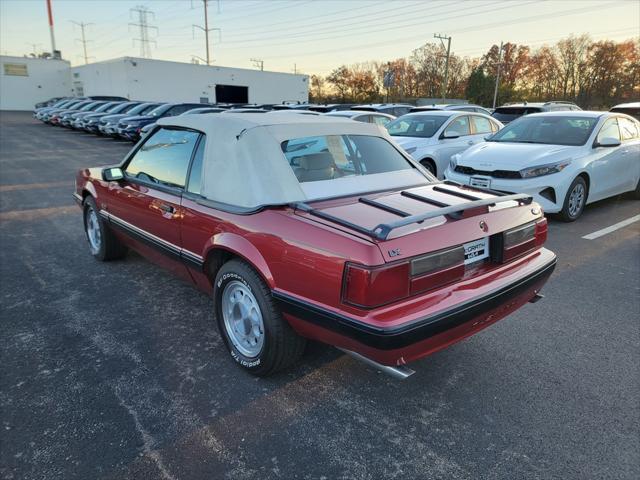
<point x="383" y="230"/>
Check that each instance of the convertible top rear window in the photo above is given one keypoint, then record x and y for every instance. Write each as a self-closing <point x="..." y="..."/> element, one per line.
<point x="336" y="156"/>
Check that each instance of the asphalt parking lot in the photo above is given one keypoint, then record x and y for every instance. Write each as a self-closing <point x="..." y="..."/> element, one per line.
<point x="115" y="370"/>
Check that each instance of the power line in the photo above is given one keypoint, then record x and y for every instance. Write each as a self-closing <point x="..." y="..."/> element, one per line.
<point x="357" y="21"/>
<point x="143" y="23"/>
<point x="413" y="37"/>
<point x="293" y="24"/>
<point x="354" y="27"/>
<point x="83" y="40"/>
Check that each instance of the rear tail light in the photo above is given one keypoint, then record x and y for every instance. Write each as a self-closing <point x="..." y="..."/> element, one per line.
<point x="370" y="287"/>
<point x="520" y="240"/>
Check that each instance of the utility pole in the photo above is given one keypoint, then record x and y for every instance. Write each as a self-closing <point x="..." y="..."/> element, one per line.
<point x="35" y="48"/>
<point x="143" y="23"/>
<point x="495" y="91"/>
<point x="442" y="38"/>
<point x="206" y="29"/>
<point x="53" y="38"/>
<point x="258" y="63"/>
<point x="84" y="41"/>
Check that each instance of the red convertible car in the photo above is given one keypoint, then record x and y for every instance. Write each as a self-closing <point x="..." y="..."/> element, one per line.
<point x="317" y="228"/>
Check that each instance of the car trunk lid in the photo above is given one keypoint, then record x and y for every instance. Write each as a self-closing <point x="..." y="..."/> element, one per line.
<point x="445" y="215"/>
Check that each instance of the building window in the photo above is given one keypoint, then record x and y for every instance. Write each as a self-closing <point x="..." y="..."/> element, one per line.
<point x="16" y="69"/>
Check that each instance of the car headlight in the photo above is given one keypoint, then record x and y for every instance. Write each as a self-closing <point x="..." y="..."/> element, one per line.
<point x="541" y="170"/>
<point x="410" y="150"/>
<point x="453" y="163"/>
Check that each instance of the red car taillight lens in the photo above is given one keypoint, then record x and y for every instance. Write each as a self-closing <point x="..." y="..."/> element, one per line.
<point x="437" y="269"/>
<point x="523" y="239"/>
<point x="370" y="287"/>
<point x="541" y="231"/>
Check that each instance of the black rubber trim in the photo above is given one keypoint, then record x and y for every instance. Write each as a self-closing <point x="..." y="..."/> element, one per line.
<point x="391" y="338"/>
<point x="172" y="252"/>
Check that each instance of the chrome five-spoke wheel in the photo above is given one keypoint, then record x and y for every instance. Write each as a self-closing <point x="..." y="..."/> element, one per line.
<point x="93" y="230"/>
<point x="242" y="319"/>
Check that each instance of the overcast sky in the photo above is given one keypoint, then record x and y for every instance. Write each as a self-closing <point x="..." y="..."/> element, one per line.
<point x="314" y="35"/>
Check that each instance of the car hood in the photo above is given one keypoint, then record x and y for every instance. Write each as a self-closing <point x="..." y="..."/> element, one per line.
<point x="412" y="142"/>
<point x="513" y="156"/>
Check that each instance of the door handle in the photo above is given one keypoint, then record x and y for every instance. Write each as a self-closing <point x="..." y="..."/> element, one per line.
<point x="166" y="208"/>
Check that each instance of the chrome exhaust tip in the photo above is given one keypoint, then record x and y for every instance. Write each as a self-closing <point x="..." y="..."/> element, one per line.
<point x="536" y="298"/>
<point x="399" y="372"/>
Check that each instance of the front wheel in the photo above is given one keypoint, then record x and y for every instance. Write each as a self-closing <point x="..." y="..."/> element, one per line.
<point x="103" y="244"/>
<point x="429" y="166"/>
<point x="574" y="201"/>
<point x="636" y="193"/>
<point x="256" y="335"/>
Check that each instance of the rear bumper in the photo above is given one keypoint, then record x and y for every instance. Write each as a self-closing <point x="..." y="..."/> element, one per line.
<point x="412" y="340"/>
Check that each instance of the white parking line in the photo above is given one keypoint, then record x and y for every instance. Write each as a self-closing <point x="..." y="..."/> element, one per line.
<point x="612" y="228"/>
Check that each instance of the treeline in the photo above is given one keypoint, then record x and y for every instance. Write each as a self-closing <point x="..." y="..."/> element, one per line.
<point x="594" y="74"/>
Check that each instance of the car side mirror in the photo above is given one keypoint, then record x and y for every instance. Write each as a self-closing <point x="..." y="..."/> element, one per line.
<point x="112" y="174"/>
<point x="447" y="134"/>
<point x="608" y="142"/>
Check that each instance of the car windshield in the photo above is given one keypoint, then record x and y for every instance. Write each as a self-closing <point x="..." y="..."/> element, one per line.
<point x="634" y="112"/>
<point x="551" y="130"/>
<point x="511" y="113"/>
<point x="89" y="106"/>
<point x="115" y="108"/>
<point x="156" y="112"/>
<point x="335" y="156"/>
<point x="423" y="126"/>
<point x="105" y="108"/>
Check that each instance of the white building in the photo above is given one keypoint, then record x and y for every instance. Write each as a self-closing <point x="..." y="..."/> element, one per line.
<point x="27" y="81"/>
<point x="160" y="80"/>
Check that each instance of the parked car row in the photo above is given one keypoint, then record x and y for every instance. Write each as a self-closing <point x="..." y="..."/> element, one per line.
<point x="131" y="120"/>
<point x="564" y="157"/>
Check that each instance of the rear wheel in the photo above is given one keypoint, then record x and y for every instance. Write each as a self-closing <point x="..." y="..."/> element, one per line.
<point x="252" y="327"/>
<point x="103" y="244"/>
<point x="574" y="201"/>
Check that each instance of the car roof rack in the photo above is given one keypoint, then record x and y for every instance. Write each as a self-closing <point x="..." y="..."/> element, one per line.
<point x="383" y="230"/>
<point x="559" y="101"/>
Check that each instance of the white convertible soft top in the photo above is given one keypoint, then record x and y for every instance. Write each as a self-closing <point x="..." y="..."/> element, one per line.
<point x="244" y="164"/>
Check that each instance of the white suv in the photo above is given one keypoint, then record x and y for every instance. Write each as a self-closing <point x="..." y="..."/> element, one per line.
<point x="565" y="160"/>
<point x="432" y="137"/>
